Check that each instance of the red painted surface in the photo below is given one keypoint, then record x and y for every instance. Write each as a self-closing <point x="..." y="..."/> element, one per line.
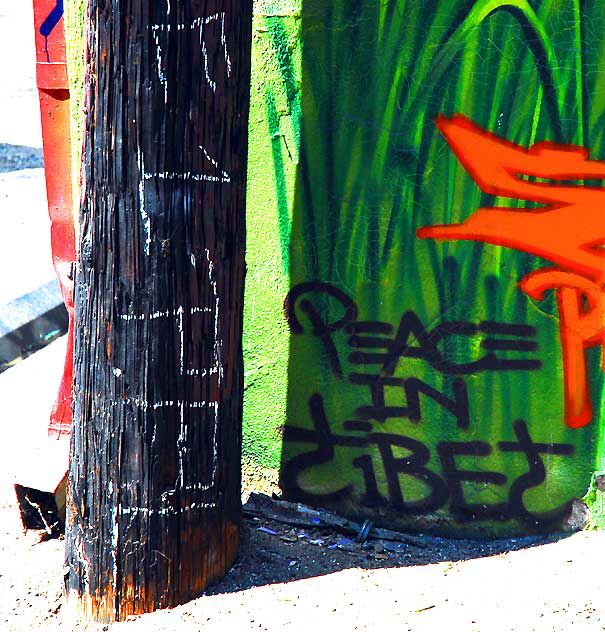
<point x="53" y="89"/>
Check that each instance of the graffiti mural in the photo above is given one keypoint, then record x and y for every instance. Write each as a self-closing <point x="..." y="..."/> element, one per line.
<point x="569" y="230"/>
<point x="424" y="299"/>
<point x="396" y="345"/>
<point x="446" y="269"/>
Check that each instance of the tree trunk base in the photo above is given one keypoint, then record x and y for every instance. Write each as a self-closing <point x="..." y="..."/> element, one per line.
<point x="209" y="563"/>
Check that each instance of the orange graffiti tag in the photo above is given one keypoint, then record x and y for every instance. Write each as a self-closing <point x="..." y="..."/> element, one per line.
<point x="569" y="230"/>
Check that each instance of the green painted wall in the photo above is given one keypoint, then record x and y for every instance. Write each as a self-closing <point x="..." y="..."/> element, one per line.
<point x="346" y="164"/>
<point x="273" y="160"/>
<point x="395" y="409"/>
<point x="75" y="19"/>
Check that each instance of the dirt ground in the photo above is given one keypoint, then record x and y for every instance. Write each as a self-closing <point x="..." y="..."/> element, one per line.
<point x="301" y="578"/>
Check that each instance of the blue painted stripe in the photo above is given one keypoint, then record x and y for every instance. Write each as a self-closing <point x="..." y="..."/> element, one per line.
<point x="52" y="19"/>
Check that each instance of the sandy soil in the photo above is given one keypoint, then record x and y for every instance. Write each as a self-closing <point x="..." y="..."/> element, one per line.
<point x="300" y="579"/>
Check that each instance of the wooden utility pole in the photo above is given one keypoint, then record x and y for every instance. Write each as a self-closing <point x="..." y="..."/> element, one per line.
<point x="154" y="485"/>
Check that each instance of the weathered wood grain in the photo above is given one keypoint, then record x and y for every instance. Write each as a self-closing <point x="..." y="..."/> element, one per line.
<point x="153" y="508"/>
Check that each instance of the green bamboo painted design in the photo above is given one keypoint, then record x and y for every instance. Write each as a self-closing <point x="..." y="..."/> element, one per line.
<point x="373" y="169"/>
<point x="282" y="40"/>
<point x="281" y="192"/>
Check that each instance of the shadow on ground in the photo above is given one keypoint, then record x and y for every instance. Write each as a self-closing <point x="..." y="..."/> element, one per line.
<point x="273" y="552"/>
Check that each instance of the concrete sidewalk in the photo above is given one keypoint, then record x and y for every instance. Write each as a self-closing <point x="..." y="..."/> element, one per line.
<point x="27" y="393"/>
<point x="25" y="256"/>
<point x="20" y="114"/>
<point x="28" y="287"/>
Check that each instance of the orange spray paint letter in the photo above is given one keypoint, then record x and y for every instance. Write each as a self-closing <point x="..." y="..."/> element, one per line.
<point x="568" y="230"/>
